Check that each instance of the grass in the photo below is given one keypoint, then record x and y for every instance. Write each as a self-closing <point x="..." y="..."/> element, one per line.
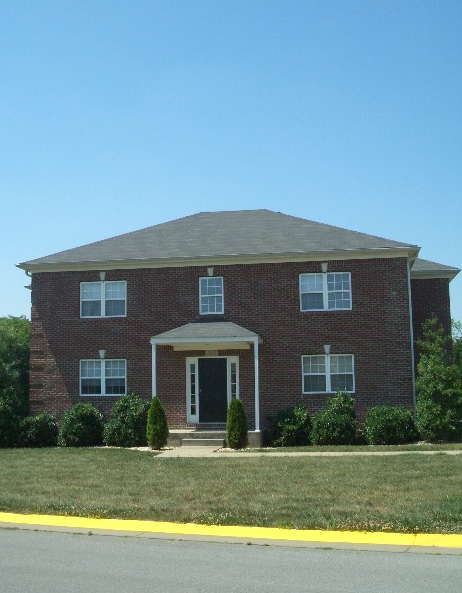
<point x="366" y="448"/>
<point x="407" y="493"/>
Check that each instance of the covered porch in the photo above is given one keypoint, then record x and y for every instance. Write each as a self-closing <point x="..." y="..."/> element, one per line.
<point x="211" y="366"/>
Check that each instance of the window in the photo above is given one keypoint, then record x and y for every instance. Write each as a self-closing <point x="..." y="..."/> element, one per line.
<point x="103" y="299"/>
<point x="211" y="295"/>
<point x="328" y="373"/>
<point x="329" y="291"/>
<point x="102" y="377"/>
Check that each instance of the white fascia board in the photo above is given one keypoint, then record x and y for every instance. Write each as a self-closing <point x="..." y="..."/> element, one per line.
<point x="448" y="275"/>
<point x="194" y="341"/>
<point x="406" y="252"/>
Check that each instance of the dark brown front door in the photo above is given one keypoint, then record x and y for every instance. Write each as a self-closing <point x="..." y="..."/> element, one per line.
<point x="213" y="396"/>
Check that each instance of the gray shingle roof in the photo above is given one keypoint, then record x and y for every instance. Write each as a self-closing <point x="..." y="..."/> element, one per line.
<point x="205" y="235"/>
<point x="217" y="330"/>
<point x="423" y="267"/>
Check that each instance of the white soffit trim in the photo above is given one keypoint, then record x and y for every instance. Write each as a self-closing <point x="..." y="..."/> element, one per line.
<point x="222" y="260"/>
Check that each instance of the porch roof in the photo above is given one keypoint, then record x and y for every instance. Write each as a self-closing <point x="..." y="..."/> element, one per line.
<point x="211" y="335"/>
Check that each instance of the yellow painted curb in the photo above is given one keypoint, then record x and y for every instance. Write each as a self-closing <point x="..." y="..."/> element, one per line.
<point x="301" y="535"/>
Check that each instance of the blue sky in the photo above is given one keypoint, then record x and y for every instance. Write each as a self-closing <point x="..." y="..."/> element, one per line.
<point x="119" y="115"/>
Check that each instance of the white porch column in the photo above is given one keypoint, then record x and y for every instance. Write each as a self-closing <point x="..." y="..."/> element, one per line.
<point x="154" y="388"/>
<point x="257" y="394"/>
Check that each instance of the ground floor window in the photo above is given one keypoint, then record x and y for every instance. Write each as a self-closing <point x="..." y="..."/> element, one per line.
<point x="103" y="377"/>
<point x="328" y="373"/>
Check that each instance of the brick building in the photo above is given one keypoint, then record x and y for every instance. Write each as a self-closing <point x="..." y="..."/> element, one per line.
<point x="269" y="308"/>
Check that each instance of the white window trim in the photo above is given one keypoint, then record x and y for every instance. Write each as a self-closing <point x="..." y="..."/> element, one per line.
<point x="325" y="292"/>
<point x="103" y="377"/>
<point x="195" y="361"/>
<point x="327" y="359"/>
<point x="222" y="296"/>
<point x="103" y="299"/>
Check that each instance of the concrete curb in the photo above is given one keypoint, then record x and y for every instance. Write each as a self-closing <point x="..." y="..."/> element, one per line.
<point x="315" y="538"/>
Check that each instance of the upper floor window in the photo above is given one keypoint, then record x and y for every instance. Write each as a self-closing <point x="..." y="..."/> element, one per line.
<point x="211" y="295"/>
<point x="325" y="291"/>
<point x="103" y="377"/>
<point x="328" y="373"/>
<point x="103" y="299"/>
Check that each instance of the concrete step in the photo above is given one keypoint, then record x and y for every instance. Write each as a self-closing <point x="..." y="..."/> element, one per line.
<point x="203" y="442"/>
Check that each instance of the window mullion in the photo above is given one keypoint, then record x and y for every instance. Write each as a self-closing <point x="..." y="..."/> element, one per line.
<point x="325" y="295"/>
<point x="328" y="381"/>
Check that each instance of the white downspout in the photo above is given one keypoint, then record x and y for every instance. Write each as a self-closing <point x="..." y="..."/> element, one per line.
<point x="154" y="388"/>
<point x="411" y="333"/>
<point x="257" y="395"/>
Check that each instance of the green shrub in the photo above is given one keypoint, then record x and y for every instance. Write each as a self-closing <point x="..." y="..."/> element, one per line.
<point x="290" y="428"/>
<point x="39" y="431"/>
<point x="127" y="423"/>
<point x="236" y="425"/>
<point x="81" y="426"/>
<point x="335" y="425"/>
<point x="389" y="425"/>
<point x="10" y="422"/>
<point x="157" y="428"/>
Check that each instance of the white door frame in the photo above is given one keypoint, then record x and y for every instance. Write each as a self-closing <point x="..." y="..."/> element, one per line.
<point x="192" y="384"/>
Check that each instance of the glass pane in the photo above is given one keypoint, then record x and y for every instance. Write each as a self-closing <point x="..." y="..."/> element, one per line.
<point x="341" y="382"/>
<point x="90" y="290"/>
<point x="314" y="383"/>
<point x="115" y="368"/>
<point x="339" y="300"/>
<point x="91" y="387"/>
<point x="314" y="364"/>
<point x="114" y="308"/>
<point x="114" y="290"/>
<point x="115" y="386"/>
<point x="90" y="368"/>
<point x="91" y="308"/>
<point x="312" y="301"/>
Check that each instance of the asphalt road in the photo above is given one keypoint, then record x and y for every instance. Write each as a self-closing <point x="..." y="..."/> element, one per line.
<point x="46" y="562"/>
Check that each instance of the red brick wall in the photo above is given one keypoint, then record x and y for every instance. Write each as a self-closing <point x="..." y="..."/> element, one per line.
<point x="263" y="298"/>
<point x="430" y="298"/>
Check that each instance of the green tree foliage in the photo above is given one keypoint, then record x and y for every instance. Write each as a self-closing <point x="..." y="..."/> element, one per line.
<point x="456" y="335"/>
<point x="439" y="387"/>
<point x="157" y="428"/>
<point x="81" y="426"/>
<point x="14" y="363"/>
<point x="290" y="428"/>
<point x="335" y="425"/>
<point x="127" y="424"/>
<point x="236" y="425"/>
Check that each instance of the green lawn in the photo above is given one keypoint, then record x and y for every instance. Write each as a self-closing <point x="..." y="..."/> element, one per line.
<point x="406" y="493"/>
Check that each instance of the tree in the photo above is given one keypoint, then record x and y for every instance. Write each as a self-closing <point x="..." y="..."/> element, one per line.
<point x="14" y="363"/>
<point x="456" y="334"/>
<point x="157" y="428"/>
<point x="439" y="386"/>
<point x="236" y="425"/>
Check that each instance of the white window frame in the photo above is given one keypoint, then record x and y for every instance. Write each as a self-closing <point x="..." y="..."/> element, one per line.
<point x="206" y="296"/>
<point x="103" y="299"/>
<point x="325" y="291"/>
<point x="103" y="376"/>
<point x="192" y="387"/>
<point x="328" y="359"/>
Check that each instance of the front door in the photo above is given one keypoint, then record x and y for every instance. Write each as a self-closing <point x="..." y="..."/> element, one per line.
<point x="213" y="389"/>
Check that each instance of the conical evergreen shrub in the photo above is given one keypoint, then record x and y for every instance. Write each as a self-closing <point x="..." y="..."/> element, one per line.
<point x="157" y="428"/>
<point x="236" y="426"/>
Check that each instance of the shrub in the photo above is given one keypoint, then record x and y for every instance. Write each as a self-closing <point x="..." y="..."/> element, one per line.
<point x="389" y="425"/>
<point x="335" y="425"/>
<point x="127" y="423"/>
<point x="81" y="426"/>
<point x="10" y="422"/>
<point x="39" y="431"/>
<point x="290" y="428"/>
<point x="156" y="429"/>
<point x="236" y="425"/>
